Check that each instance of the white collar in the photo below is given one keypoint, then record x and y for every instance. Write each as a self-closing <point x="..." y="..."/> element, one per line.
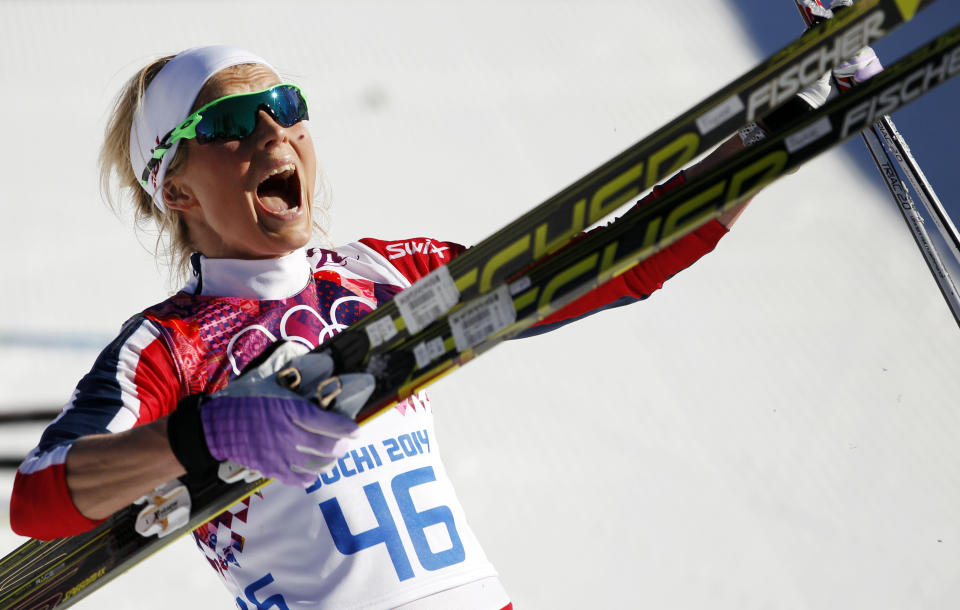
<point x="261" y="279"/>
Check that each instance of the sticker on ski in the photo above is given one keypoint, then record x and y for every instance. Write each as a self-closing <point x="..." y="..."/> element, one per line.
<point x="721" y="114"/>
<point x="808" y="135"/>
<point x="482" y="317"/>
<point x="428" y="351"/>
<point x="380" y="331"/>
<point x="427" y="300"/>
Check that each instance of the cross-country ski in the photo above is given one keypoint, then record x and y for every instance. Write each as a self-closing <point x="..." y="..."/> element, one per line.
<point x="278" y="405"/>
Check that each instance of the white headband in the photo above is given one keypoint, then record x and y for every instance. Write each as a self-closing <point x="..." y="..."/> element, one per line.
<point x="167" y="103"/>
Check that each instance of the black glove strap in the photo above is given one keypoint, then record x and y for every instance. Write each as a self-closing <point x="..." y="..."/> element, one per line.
<point x="185" y="433"/>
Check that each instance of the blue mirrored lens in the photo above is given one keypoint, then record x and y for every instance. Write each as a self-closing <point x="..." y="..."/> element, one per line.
<point x="288" y="107"/>
<point x="236" y="117"/>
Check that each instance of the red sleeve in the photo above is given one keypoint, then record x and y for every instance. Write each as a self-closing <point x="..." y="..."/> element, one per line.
<point x="646" y="277"/>
<point x="134" y="381"/>
<point x="649" y="275"/>
<point x="414" y="257"/>
<point x="41" y="506"/>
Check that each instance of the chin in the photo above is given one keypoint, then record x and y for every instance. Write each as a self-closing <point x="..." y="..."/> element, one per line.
<point x="292" y="240"/>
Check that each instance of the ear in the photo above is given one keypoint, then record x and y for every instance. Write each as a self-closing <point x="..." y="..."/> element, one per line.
<point x="178" y="196"/>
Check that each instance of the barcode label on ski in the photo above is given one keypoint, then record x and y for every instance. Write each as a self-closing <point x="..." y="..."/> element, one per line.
<point x="428" y="299"/>
<point x="482" y="317"/>
<point x="719" y="115"/>
<point x="428" y="351"/>
<point x="381" y="330"/>
<point x="520" y="285"/>
<point x="808" y="135"/>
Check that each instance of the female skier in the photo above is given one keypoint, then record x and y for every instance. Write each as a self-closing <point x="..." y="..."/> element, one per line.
<point x="212" y="145"/>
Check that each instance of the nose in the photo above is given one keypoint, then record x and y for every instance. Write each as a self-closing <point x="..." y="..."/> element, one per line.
<point x="269" y="132"/>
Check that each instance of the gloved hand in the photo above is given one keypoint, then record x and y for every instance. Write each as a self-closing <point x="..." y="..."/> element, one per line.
<point x="264" y="426"/>
<point x="862" y="66"/>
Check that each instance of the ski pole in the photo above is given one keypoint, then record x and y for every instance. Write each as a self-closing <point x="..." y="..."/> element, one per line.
<point x="895" y="141"/>
<point x="911" y="216"/>
<point x="896" y="145"/>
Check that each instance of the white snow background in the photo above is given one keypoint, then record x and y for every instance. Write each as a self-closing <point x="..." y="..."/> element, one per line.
<point x="777" y="428"/>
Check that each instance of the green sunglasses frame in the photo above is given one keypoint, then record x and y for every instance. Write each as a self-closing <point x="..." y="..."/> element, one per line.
<point x="188" y="128"/>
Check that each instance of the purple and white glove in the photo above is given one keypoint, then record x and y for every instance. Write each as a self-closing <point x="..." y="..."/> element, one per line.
<point x="862" y="66"/>
<point x="286" y="438"/>
<point x="264" y="426"/>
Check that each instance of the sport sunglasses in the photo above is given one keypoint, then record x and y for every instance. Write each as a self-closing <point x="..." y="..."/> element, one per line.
<point x="232" y="117"/>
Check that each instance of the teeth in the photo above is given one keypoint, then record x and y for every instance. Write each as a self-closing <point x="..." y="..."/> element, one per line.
<point x="285" y="169"/>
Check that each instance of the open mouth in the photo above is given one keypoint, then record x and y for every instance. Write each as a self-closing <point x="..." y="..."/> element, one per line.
<point x="280" y="191"/>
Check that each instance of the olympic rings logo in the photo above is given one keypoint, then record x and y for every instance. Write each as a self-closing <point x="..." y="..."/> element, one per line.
<point x="327" y="328"/>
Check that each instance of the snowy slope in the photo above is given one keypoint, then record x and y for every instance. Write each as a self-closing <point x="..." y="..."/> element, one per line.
<point x="775" y="429"/>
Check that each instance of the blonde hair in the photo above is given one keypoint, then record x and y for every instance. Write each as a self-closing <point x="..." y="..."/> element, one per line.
<point x="117" y="179"/>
